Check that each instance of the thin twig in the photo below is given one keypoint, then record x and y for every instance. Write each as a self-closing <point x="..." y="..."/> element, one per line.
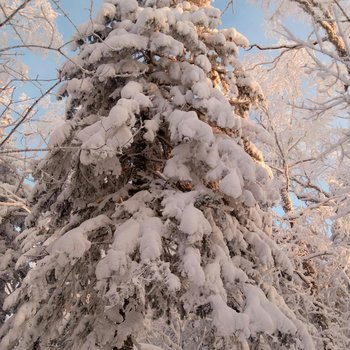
<point x="25" y="116"/>
<point x="315" y="255"/>
<point x="8" y="18"/>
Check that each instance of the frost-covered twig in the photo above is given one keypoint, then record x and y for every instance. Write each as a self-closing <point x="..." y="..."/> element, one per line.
<point x="12" y="14"/>
<point x="315" y="255"/>
<point x="27" y="114"/>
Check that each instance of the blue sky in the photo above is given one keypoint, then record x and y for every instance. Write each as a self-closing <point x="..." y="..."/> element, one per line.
<point x="245" y="17"/>
<point x="248" y="18"/>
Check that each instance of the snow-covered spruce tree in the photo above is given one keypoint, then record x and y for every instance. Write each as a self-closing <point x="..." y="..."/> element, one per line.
<point x="151" y="221"/>
<point x="12" y="214"/>
<point x="25" y="25"/>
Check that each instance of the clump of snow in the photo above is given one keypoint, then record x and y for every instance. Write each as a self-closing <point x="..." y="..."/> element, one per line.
<point x="60" y="134"/>
<point x="152" y="18"/>
<point x="137" y="202"/>
<point x="213" y="278"/>
<point x="11" y="300"/>
<point x="215" y="38"/>
<point x="107" y="12"/>
<point x="174" y="203"/>
<point x="175" y="71"/>
<point x="123" y="40"/>
<point x="152" y="127"/>
<point x="151" y="242"/>
<point x="74" y="243"/>
<point x="178" y="97"/>
<point x="127" y="8"/>
<point x="5" y="259"/>
<point x="176" y="166"/>
<point x="165" y="44"/>
<point x="192" y="266"/>
<point x="173" y="282"/>
<point x="199" y="18"/>
<point x="203" y="62"/>
<point x="261" y="248"/>
<point x="221" y="113"/>
<point x="79" y="85"/>
<point x="186" y="127"/>
<point x="106" y="71"/>
<point x="214" y="16"/>
<point x="231" y="34"/>
<point x="191" y="74"/>
<point x="114" y="262"/>
<point x="71" y="66"/>
<point x="187" y="30"/>
<point x="233" y="274"/>
<point x="130" y="68"/>
<point x="126" y="237"/>
<point x="231" y="184"/>
<point x="194" y="224"/>
<point x="265" y="316"/>
<point x="26" y="311"/>
<point x="131" y="89"/>
<point x="226" y="320"/>
<point x="202" y="89"/>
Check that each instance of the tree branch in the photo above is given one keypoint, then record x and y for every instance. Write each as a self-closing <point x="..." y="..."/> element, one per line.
<point x="14" y="204"/>
<point x="8" y="18"/>
<point x="25" y="116"/>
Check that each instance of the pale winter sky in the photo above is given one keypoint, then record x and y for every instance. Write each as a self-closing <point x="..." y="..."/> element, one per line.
<point x="245" y="16"/>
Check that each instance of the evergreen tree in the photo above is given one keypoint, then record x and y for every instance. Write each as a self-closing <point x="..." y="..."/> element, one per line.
<point x="151" y="219"/>
<point x="25" y="26"/>
<point x="13" y="210"/>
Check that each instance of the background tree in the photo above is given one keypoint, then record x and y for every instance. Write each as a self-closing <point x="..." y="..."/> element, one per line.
<point x="307" y="118"/>
<point x="26" y="26"/>
<point x="13" y="210"/>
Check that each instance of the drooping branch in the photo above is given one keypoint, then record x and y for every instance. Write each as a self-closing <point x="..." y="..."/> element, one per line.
<point x="15" y="204"/>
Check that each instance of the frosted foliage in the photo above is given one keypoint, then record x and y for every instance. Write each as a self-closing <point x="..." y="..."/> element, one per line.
<point x="32" y="27"/>
<point x="194" y="223"/>
<point x="11" y="221"/>
<point x="74" y="243"/>
<point x="151" y="243"/>
<point x="154" y="213"/>
<point x="314" y="234"/>
<point x="36" y="20"/>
